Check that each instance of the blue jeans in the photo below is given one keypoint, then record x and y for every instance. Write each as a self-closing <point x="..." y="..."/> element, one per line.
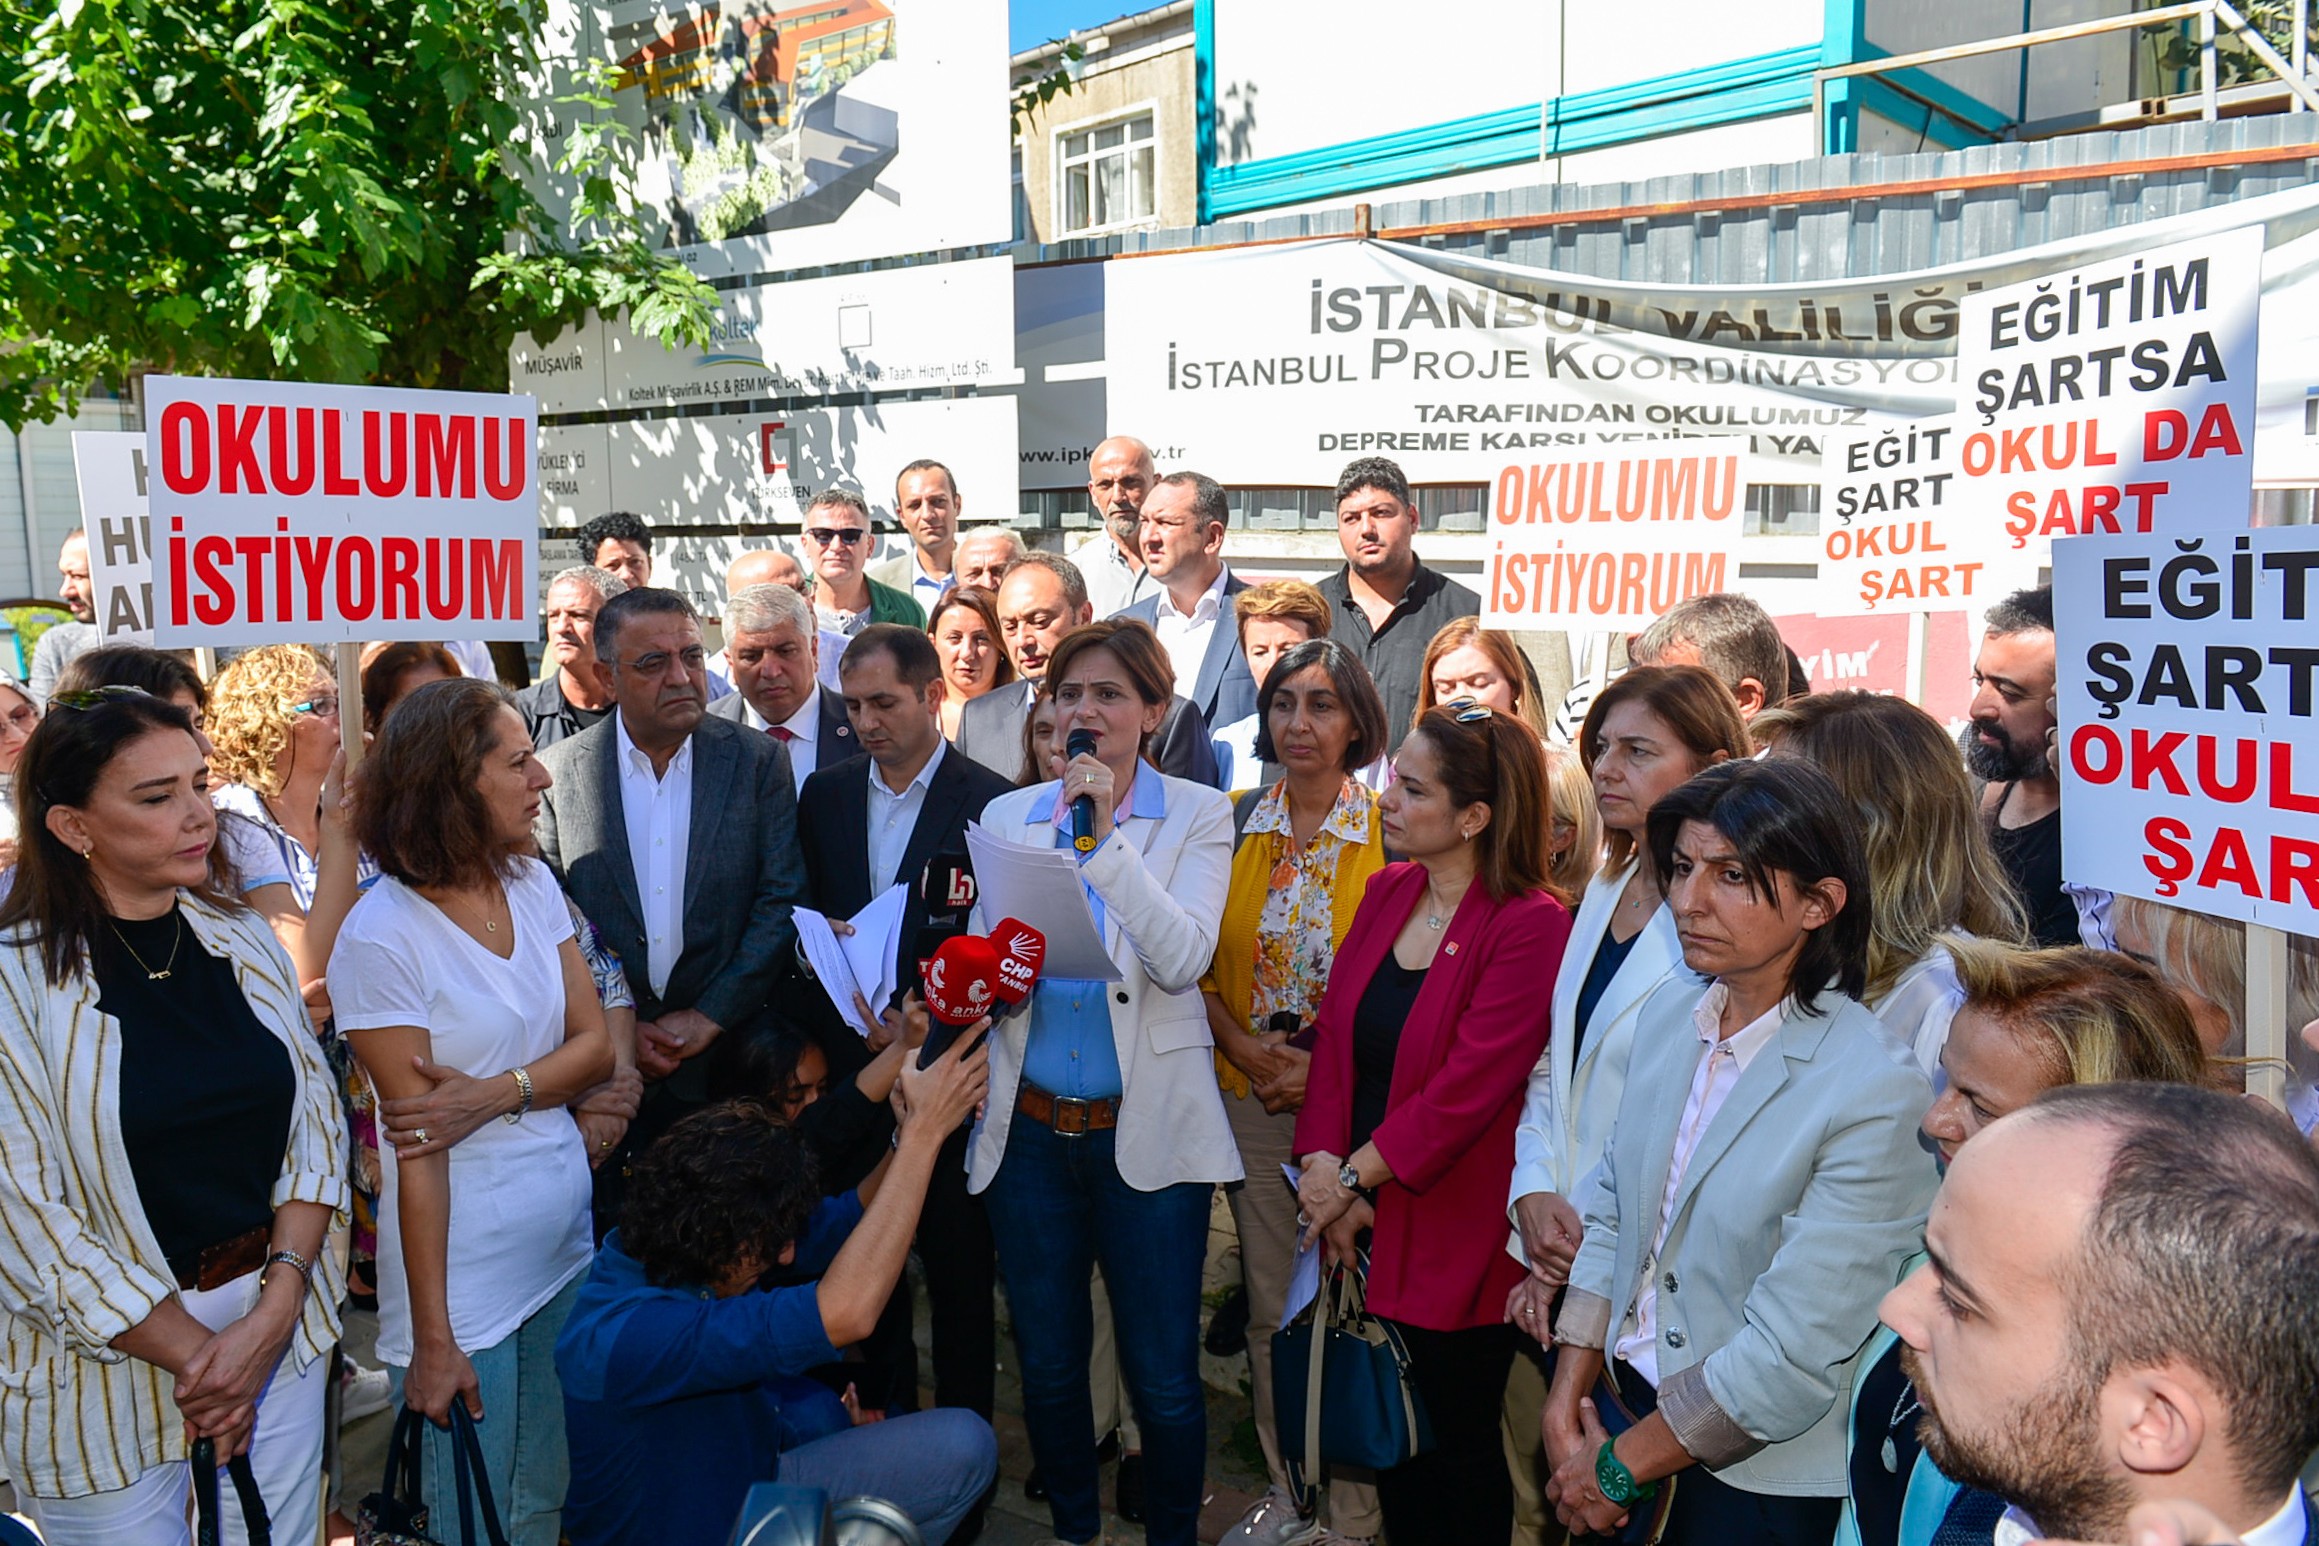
<point x="932" y="1466"/>
<point x="522" y="1433"/>
<point x="1057" y="1206"/>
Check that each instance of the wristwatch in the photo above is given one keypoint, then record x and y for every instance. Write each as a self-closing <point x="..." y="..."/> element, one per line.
<point x="1350" y="1179"/>
<point x="1618" y="1484"/>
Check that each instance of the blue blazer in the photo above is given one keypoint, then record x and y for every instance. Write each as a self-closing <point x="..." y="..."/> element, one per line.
<point x="1224" y="692"/>
<point x="1805" y="1194"/>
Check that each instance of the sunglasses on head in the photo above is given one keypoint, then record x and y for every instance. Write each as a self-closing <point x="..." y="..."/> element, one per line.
<point x="1466" y="711"/>
<point x="95" y="697"/>
<point x="823" y="536"/>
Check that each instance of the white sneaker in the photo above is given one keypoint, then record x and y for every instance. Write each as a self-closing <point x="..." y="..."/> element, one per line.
<point x="363" y="1393"/>
<point x="1273" y="1521"/>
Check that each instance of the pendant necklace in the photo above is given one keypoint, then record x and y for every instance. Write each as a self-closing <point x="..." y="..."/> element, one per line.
<point x="1902" y="1410"/>
<point x="176" y="939"/>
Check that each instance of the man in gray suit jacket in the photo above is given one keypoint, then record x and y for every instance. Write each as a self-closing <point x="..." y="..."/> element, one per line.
<point x="1191" y="608"/>
<point x="1042" y="598"/>
<point x="676" y="833"/>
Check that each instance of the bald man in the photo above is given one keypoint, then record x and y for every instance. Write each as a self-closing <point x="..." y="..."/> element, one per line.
<point x="1119" y="475"/>
<point x="776" y="566"/>
<point x="766" y="566"/>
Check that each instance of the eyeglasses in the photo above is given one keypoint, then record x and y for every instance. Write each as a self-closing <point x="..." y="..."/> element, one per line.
<point x="22" y="718"/>
<point x="95" y="697"/>
<point x="325" y="707"/>
<point x="695" y="660"/>
<point x="823" y="536"/>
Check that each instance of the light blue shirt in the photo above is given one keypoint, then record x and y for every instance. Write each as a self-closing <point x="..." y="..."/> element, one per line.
<point x="1070" y="1050"/>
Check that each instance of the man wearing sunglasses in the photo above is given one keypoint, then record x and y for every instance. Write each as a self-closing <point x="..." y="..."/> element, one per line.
<point x="838" y="543"/>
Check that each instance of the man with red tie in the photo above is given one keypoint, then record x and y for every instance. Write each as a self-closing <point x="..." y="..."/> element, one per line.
<point x="771" y="645"/>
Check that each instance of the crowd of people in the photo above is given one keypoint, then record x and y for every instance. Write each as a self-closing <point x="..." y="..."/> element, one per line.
<point x="1627" y="1046"/>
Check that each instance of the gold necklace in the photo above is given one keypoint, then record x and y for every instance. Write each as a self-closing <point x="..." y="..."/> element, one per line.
<point x="480" y="916"/>
<point x="176" y="939"/>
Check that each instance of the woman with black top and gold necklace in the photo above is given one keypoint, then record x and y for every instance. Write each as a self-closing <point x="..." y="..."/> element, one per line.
<point x="171" y="1149"/>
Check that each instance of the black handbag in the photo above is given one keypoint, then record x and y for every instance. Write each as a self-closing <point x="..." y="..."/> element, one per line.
<point x="208" y="1527"/>
<point x="1349" y="1401"/>
<point x="395" y="1516"/>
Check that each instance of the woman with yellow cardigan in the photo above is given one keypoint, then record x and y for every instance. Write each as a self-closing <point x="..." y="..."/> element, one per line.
<point x="1307" y="847"/>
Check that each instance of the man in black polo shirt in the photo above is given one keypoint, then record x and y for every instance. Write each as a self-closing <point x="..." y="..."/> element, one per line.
<point x="1386" y="605"/>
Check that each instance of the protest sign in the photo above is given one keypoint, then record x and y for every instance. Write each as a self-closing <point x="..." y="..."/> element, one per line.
<point x="2186" y="682"/>
<point x="1596" y="540"/>
<point x="285" y="512"/>
<point x="2116" y="397"/>
<point x="1893" y="536"/>
<point x="110" y="465"/>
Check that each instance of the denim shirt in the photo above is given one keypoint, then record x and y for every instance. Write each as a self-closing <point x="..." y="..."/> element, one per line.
<point x="1070" y="1050"/>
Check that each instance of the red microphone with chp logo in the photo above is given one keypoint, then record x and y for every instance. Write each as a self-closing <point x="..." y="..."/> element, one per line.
<point x="971" y="977"/>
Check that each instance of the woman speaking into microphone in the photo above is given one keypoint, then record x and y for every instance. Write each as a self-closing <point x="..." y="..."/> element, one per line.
<point x="1074" y="1168"/>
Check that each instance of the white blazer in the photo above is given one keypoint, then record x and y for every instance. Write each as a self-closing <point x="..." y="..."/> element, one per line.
<point x="1569" y="1111"/>
<point x="1162" y="884"/>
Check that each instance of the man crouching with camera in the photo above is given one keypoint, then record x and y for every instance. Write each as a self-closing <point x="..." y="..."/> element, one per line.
<point x="682" y="1375"/>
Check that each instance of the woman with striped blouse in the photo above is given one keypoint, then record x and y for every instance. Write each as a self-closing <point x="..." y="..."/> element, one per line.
<point x="171" y="1149"/>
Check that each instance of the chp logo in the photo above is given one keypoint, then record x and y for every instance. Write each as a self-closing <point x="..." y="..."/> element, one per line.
<point x="1021" y="950"/>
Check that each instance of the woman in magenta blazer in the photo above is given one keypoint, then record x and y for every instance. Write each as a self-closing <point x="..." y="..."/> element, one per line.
<point x="1433" y="1018"/>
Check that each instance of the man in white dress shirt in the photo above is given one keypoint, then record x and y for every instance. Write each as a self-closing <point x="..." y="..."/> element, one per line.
<point x="2122" y="1310"/>
<point x="773" y="648"/>
<point x="927" y="500"/>
<point x="1190" y="606"/>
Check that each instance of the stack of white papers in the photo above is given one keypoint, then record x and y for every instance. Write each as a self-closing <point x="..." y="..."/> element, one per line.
<point x="1041" y="887"/>
<point x="861" y="964"/>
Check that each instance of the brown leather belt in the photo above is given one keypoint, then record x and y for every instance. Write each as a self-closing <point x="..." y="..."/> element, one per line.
<point x="1069" y="1116"/>
<point x="220" y="1264"/>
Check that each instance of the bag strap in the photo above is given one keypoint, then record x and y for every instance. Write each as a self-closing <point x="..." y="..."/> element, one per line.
<point x="402" y="1457"/>
<point x="474" y="1479"/>
<point x="1316" y="1355"/>
<point x="1243" y="807"/>
<point x="209" y="1525"/>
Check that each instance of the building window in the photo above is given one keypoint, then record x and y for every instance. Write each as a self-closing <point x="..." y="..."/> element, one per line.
<point x="1107" y="175"/>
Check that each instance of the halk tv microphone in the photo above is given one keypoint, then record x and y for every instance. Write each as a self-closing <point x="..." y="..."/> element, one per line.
<point x="947" y="891"/>
<point x="1081" y="743"/>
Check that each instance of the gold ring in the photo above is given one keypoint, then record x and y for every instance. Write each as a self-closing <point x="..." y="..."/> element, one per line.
<point x="603" y="1143"/>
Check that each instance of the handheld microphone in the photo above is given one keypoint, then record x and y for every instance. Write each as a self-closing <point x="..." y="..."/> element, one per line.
<point x="1021" y="951"/>
<point x="1081" y="743"/>
<point x="961" y="986"/>
<point x="947" y="891"/>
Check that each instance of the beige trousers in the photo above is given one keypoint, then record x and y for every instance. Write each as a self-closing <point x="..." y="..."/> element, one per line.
<point x="1264" y="1212"/>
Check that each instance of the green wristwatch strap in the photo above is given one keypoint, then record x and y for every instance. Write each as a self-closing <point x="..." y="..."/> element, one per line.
<point x="1618" y="1484"/>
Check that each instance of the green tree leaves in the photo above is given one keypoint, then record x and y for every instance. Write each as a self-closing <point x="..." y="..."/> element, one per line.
<point x="290" y="188"/>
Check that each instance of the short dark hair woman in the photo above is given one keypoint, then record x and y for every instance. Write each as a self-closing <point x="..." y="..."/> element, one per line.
<point x="172" y="1140"/>
<point x="1759" y="1190"/>
<point x="1435" y="1012"/>
<point x="466" y="998"/>
<point x="1073" y="1167"/>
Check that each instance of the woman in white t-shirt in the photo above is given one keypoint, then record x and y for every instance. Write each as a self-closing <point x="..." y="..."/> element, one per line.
<point x="458" y="982"/>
